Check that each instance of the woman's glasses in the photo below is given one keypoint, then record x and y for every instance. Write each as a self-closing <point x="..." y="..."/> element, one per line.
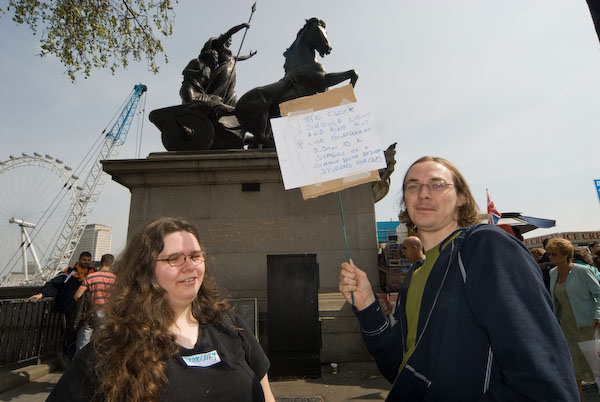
<point x="177" y="260"/>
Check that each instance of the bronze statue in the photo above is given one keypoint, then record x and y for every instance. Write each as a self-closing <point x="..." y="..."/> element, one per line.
<point x="208" y="94"/>
<point x="382" y="187"/>
<point x="303" y="76"/>
<point x="196" y="76"/>
<point x="222" y="82"/>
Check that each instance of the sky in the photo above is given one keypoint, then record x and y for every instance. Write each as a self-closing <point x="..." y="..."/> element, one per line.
<point x="507" y="90"/>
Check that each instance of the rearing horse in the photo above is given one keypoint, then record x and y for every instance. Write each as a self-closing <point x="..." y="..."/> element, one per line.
<point x="303" y="76"/>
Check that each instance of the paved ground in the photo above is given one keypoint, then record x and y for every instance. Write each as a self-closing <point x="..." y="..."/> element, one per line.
<point x="353" y="382"/>
<point x="35" y="391"/>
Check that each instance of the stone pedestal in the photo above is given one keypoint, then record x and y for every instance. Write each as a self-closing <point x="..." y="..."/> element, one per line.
<point x="238" y="202"/>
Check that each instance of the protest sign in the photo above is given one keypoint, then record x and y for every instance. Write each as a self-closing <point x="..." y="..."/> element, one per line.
<point x="327" y="142"/>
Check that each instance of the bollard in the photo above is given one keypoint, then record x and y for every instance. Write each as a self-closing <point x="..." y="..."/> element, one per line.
<point x="333" y="368"/>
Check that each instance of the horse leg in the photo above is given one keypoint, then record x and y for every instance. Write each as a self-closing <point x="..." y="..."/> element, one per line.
<point x="332" y="79"/>
<point x="252" y="112"/>
<point x="263" y="135"/>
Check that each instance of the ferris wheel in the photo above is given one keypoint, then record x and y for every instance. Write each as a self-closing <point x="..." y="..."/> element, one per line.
<point x="37" y="196"/>
<point x="42" y="210"/>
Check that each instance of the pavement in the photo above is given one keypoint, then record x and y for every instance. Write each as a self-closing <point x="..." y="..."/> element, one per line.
<point x="357" y="381"/>
<point x="28" y="383"/>
<point x="35" y="391"/>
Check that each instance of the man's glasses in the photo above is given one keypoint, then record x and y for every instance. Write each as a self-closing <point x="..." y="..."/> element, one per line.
<point x="434" y="185"/>
<point x="177" y="260"/>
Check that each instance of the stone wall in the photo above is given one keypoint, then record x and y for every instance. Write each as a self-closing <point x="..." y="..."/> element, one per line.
<point x="237" y="200"/>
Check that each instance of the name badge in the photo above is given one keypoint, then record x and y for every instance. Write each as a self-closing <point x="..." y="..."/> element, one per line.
<point x="203" y="359"/>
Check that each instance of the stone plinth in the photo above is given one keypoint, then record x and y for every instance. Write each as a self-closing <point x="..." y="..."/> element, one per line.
<point x="238" y="202"/>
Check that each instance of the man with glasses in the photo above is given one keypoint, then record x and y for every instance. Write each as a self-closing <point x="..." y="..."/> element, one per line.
<point x="474" y="321"/>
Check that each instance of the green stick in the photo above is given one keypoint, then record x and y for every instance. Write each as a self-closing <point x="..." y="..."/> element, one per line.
<point x="345" y="236"/>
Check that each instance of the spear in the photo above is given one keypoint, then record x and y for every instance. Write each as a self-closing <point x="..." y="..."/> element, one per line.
<point x="240" y="49"/>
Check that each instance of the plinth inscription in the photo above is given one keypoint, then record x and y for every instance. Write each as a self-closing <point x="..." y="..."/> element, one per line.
<point x="246" y="233"/>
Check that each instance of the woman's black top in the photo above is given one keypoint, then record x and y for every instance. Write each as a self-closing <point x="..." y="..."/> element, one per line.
<point x="226" y="364"/>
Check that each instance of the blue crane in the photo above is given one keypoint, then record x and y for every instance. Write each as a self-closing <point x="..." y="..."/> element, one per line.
<point x="91" y="188"/>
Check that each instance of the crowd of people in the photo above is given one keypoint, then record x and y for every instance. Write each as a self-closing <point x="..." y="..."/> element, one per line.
<point x="573" y="282"/>
<point x="63" y="287"/>
<point x="477" y="317"/>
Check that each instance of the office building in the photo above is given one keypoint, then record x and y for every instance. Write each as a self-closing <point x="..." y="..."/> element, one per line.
<point x="96" y="239"/>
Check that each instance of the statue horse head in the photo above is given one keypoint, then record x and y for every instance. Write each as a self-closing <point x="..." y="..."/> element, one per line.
<point x="312" y="36"/>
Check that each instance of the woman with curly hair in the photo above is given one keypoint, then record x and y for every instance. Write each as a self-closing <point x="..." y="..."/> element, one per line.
<point x="169" y="336"/>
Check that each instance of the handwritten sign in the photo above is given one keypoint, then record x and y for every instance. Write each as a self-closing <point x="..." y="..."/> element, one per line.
<point x="319" y="146"/>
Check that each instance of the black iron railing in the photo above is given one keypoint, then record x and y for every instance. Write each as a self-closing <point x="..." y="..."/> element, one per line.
<point x="28" y="331"/>
<point x="31" y="331"/>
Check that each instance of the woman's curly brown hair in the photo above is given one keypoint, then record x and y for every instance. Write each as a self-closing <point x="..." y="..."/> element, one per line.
<point x="133" y="347"/>
<point x="467" y="214"/>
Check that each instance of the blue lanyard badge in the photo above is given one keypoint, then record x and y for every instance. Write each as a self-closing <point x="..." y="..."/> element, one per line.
<point x="202" y="360"/>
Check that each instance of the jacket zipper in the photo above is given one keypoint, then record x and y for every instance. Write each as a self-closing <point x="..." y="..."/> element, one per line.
<point x="437" y="295"/>
<point x="426" y="322"/>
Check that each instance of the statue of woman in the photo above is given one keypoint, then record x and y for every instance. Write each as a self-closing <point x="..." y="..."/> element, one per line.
<point x="222" y="81"/>
<point x="196" y="76"/>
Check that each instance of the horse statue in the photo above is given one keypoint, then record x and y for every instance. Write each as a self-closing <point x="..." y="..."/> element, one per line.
<point x="303" y="76"/>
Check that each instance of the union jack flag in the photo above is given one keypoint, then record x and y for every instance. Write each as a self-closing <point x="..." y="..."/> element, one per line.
<point x="493" y="214"/>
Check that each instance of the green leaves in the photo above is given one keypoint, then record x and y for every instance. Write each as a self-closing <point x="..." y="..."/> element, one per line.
<point x="88" y="34"/>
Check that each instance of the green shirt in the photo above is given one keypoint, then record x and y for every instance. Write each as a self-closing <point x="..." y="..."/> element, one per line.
<point x="415" y="296"/>
<point x="413" y="300"/>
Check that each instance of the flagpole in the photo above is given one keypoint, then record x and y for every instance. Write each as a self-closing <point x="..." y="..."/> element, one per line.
<point x="487" y="206"/>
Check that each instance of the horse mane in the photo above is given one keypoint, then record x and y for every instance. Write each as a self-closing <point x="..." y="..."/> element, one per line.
<point x="309" y="21"/>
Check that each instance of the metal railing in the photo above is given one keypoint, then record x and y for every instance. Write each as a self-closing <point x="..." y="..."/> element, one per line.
<point x="28" y="331"/>
<point x="31" y="331"/>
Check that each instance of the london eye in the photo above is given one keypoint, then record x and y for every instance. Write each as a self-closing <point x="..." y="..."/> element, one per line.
<point x="38" y="194"/>
<point x="43" y="210"/>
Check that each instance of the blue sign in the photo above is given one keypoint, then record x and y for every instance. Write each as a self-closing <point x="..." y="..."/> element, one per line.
<point x="597" y="181"/>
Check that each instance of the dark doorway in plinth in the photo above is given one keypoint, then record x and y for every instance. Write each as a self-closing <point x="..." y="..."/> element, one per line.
<point x="294" y="333"/>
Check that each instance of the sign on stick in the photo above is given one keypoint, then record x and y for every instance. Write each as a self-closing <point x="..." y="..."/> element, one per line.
<point x="327" y="142"/>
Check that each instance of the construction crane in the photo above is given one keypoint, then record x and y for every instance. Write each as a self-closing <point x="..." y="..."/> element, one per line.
<point x="92" y="186"/>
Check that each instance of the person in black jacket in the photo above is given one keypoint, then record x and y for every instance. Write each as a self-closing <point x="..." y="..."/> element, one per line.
<point x="63" y="286"/>
<point x="474" y="321"/>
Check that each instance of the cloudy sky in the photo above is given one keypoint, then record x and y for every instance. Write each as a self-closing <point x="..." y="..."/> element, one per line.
<point x="507" y="90"/>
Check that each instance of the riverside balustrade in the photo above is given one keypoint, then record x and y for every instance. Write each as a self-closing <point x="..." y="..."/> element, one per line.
<point x="28" y="331"/>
